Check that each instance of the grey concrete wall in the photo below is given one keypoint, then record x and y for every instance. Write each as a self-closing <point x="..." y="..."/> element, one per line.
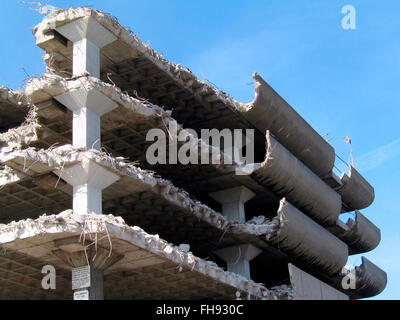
<point x="307" y="287"/>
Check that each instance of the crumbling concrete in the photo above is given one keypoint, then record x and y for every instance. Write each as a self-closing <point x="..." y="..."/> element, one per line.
<point x="328" y="253"/>
<point x="37" y="238"/>
<point x="14" y="107"/>
<point x="82" y="45"/>
<point x="324" y="209"/>
<point x="312" y="147"/>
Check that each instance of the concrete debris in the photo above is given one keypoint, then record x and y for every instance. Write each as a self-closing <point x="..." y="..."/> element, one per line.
<point x="69" y="223"/>
<point x="51" y="85"/>
<point x="8" y="175"/>
<point x="329" y="254"/>
<point x="16" y="98"/>
<point x="257" y="220"/>
<point x="15" y="111"/>
<point x="184" y="247"/>
<point x="181" y="74"/>
<point x="58" y="158"/>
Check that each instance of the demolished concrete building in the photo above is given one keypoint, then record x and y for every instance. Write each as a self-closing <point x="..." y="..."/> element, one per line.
<point x="77" y="194"/>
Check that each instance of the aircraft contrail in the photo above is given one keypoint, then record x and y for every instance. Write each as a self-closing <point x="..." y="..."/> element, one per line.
<point x="378" y="156"/>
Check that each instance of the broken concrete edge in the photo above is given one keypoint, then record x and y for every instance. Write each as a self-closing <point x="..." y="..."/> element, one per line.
<point x="9" y="175"/>
<point x="330" y="248"/>
<point x="309" y="154"/>
<point x="58" y="158"/>
<point x="26" y="130"/>
<point x="24" y="135"/>
<point x="269" y="111"/>
<point x="356" y="192"/>
<point x="14" y="97"/>
<point x="51" y="85"/>
<point x="180" y="74"/>
<point x="115" y="227"/>
<point x="61" y="157"/>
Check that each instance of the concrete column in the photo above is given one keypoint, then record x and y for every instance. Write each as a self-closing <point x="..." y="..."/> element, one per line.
<point x="88" y="37"/>
<point x="87" y="106"/>
<point x="238" y="258"/>
<point x="233" y="201"/>
<point x="88" y="263"/>
<point x="88" y="180"/>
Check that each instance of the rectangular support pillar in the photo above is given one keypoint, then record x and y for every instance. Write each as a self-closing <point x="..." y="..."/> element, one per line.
<point x="87" y="283"/>
<point x="86" y="129"/>
<point x="238" y="258"/>
<point x="86" y="58"/>
<point x="232" y="201"/>
<point x="87" y="198"/>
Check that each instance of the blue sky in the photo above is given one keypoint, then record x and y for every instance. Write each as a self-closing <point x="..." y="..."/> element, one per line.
<point x="343" y="82"/>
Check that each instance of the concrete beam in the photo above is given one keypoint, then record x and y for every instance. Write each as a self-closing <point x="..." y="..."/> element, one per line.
<point x="88" y="37"/>
<point x="87" y="107"/>
<point x="232" y="201"/>
<point x="238" y="258"/>
<point x="88" y="180"/>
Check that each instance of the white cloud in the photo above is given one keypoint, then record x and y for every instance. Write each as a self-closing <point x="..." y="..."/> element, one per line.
<point x="375" y="158"/>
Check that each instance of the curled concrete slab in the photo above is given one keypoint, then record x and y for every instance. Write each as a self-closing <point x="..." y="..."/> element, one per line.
<point x="269" y="111"/>
<point x="370" y="280"/>
<point x="300" y="236"/>
<point x="288" y="177"/>
<point x="37" y="238"/>
<point x="362" y="235"/>
<point x="356" y="192"/>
